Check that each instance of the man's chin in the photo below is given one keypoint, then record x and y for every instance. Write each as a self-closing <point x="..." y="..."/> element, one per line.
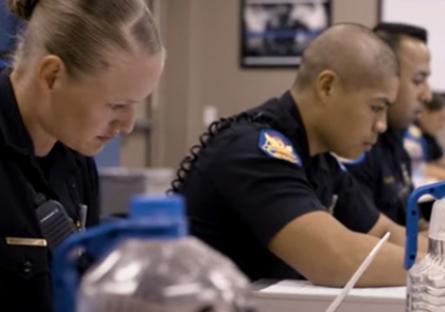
<point x="401" y="125"/>
<point x="351" y="155"/>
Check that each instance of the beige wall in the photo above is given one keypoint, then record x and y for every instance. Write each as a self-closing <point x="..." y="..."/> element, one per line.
<point x="202" y="38"/>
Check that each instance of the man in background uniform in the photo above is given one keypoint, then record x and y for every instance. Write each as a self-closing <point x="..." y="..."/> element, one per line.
<point x="385" y="172"/>
<point x="422" y="144"/>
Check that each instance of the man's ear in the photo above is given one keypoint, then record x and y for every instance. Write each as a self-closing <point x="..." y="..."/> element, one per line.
<point x="51" y="69"/>
<point x="326" y="81"/>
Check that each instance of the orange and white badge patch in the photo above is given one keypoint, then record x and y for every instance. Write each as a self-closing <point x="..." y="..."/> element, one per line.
<point x="276" y="145"/>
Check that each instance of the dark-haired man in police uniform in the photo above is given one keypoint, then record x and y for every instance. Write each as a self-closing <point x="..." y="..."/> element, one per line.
<point x="385" y="171"/>
<point x="264" y="188"/>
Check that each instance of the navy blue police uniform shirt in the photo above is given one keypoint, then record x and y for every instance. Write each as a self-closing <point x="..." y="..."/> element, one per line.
<point x="254" y="176"/>
<point x="63" y="175"/>
<point x="384" y="174"/>
<point x="434" y="150"/>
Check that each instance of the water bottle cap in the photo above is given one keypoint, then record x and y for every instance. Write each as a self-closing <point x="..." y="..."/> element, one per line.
<point x="151" y="206"/>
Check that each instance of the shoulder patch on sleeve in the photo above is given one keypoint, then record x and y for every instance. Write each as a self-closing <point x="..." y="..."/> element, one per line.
<point x="276" y="145"/>
<point x="414" y="132"/>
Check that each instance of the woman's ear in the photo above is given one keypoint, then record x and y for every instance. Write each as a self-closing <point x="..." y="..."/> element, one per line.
<point x="51" y="69"/>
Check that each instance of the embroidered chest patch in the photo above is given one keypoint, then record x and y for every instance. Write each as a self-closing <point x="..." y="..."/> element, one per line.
<point x="276" y="145"/>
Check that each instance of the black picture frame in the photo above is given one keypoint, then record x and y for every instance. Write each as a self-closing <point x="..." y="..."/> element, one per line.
<point x="274" y="33"/>
<point x="379" y="11"/>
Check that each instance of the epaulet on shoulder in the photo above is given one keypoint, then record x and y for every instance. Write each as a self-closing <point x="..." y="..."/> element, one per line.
<point x="276" y="145"/>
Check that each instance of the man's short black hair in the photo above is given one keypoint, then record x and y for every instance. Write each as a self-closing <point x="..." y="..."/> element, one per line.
<point x="392" y="33"/>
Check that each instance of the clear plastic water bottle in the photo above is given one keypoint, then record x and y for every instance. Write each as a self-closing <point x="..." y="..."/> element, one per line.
<point x="181" y="275"/>
<point x="166" y="273"/>
<point x="426" y="279"/>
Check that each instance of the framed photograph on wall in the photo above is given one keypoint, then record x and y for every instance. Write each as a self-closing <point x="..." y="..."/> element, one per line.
<point x="274" y="33"/>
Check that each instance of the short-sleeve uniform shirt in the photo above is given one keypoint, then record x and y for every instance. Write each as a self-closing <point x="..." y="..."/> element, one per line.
<point x="384" y="174"/>
<point x="434" y="150"/>
<point x="254" y="176"/>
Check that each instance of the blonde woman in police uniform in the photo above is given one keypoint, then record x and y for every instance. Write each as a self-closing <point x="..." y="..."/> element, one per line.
<point x="79" y="71"/>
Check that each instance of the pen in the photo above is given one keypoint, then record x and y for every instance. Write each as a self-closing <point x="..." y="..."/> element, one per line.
<point x="357" y="274"/>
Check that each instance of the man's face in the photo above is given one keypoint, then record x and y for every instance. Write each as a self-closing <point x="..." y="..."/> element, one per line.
<point x="414" y="59"/>
<point x="356" y="117"/>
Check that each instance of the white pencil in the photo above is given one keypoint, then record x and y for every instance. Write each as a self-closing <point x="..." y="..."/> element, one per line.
<point x="357" y="274"/>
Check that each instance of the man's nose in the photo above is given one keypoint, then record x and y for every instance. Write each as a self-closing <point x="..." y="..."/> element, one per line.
<point x="381" y="123"/>
<point x="426" y="94"/>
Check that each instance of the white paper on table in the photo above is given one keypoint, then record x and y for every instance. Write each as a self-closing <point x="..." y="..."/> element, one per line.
<point x="305" y="288"/>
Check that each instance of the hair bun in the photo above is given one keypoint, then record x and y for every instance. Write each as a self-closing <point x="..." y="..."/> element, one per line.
<point x="22" y="8"/>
